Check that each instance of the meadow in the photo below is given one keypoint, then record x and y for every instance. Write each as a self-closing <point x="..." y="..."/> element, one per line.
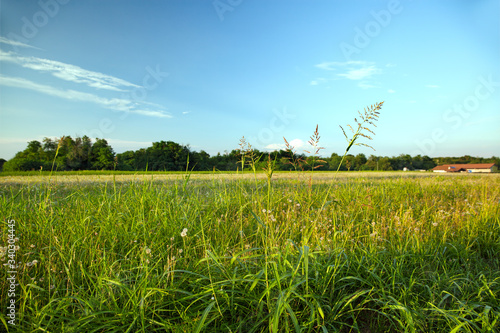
<point x="241" y="252"/>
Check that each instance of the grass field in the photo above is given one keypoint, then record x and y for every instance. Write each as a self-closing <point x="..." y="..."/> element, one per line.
<point x="210" y="252"/>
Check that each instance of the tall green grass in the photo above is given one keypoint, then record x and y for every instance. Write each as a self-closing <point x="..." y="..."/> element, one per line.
<point x="305" y="254"/>
<point x="299" y="253"/>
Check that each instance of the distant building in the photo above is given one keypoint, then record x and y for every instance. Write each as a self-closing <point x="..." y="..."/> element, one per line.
<point x="483" y="167"/>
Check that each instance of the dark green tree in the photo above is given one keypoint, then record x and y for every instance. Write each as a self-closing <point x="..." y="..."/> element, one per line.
<point x="102" y="156"/>
<point x="31" y="158"/>
<point x="359" y="162"/>
<point x="334" y="162"/>
<point x="372" y="163"/>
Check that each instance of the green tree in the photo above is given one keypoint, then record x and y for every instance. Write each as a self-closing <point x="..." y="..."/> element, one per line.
<point x="200" y="161"/>
<point x="371" y="163"/>
<point x="78" y="154"/>
<point x="384" y="164"/>
<point x="126" y="161"/>
<point x="34" y="149"/>
<point x="49" y="149"/>
<point x="359" y="162"/>
<point x="334" y="162"/>
<point x="102" y="155"/>
<point x="31" y="158"/>
<point x="417" y="162"/>
<point x="428" y="163"/>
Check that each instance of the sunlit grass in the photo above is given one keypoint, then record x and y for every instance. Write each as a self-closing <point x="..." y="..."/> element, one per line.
<point x="378" y="252"/>
<point x="255" y="252"/>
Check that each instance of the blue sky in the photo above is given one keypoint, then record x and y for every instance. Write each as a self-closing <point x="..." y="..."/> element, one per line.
<point x="206" y="73"/>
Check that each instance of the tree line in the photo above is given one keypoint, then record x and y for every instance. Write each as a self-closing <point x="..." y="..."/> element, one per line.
<point x="81" y="153"/>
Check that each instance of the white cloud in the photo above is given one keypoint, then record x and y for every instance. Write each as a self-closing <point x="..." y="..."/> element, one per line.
<point x="328" y="66"/>
<point x="108" y="103"/>
<point x="483" y="120"/>
<point x="318" y="81"/>
<point x="16" y="43"/>
<point x="366" y="85"/>
<point x="361" y="73"/>
<point x="334" y="65"/>
<point x="275" y="146"/>
<point x="68" y="72"/>
<point x="13" y="140"/>
<point x="116" y="143"/>
<point x="390" y="91"/>
<point x="186" y="112"/>
<point x="77" y="74"/>
<point x="149" y="113"/>
<point x="296" y="143"/>
<point x="351" y="70"/>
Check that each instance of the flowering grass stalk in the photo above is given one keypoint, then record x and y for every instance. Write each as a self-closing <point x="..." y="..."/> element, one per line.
<point x="412" y="252"/>
<point x="367" y="118"/>
<point x="110" y="259"/>
<point x="314" y="143"/>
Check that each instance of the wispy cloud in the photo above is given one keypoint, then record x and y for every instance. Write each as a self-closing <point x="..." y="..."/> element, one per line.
<point x="351" y="70"/>
<point x="275" y="146"/>
<point x="150" y="113"/>
<point x="117" y="143"/>
<point x="295" y="143"/>
<point x="483" y="120"/>
<point x="68" y="72"/>
<point x="328" y="66"/>
<point x="361" y="73"/>
<point x="390" y="91"/>
<point x="117" y="104"/>
<point x="366" y="85"/>
<point x="16" y="43"/>
<point x="76" y="74"/>
<point x="4" y="141"/>
<point x="317" y="81"/>
<point x="334" y="65"/>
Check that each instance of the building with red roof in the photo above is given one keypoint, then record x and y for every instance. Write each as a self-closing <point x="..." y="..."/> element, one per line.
<point x="481" y="167"/>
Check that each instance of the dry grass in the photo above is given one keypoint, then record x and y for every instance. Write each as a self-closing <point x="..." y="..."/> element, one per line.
<point x="317" y="177"/>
